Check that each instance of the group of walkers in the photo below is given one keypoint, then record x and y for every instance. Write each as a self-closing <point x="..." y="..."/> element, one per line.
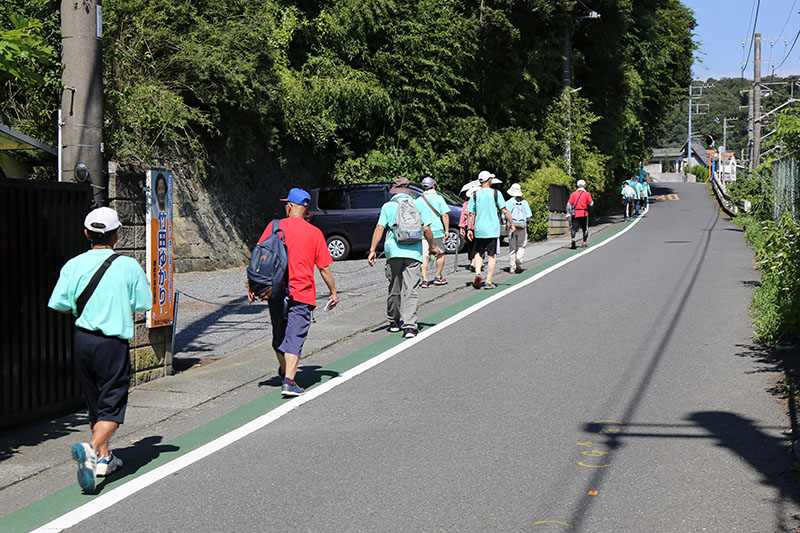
<point x="635" y="193"/>
<point x="416" y="231"/>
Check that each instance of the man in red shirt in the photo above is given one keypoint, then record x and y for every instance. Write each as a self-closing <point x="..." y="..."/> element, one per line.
<point x="579" y="203"/>
<point x="291" y="316"/>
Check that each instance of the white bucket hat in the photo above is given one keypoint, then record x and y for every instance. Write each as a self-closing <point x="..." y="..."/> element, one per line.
<point x="515" y="190"/>
<point x="471" y="191"/>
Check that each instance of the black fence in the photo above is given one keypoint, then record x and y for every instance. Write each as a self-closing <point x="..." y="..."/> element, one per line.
<point x="40" y="229"/>
<point x="559" y="194"/>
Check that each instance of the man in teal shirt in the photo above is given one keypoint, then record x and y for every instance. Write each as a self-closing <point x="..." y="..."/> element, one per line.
<point x="403" y="263"/>
<point x="434" y="208"/>
<point x="103" y="327"/>
<point x="484" y="208"/>
<point x="637" y="185"/>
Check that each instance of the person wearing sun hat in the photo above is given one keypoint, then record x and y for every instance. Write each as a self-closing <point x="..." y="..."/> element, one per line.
<point x="518" y="236"/>
<point x="103" y="326"/>
<point x="290" y="315"/>
<point x="484" y="208"/>
<point x="403" y="261"/>
<point x="431" y="205"/>
<point x="464" y="227"/>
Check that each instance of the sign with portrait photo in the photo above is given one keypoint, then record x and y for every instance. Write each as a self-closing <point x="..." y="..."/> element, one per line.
<point x="159" y="247"/>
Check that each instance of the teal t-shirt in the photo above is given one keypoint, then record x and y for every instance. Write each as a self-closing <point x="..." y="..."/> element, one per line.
<point x="485" y="204"/>
<point x="391" y="247"/>
<point x="525" y="206"/>
<point x="122" y="289"/>
<point x="428" y="216"/>
<point x="639" y="189"/>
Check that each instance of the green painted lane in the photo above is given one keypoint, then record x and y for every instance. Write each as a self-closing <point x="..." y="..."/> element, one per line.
<point x="158" y="454"/>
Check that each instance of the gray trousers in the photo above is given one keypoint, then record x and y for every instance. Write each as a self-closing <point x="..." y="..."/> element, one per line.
<point x="405" y="276"/>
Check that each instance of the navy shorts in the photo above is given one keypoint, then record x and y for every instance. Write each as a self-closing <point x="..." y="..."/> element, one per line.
<point x="103" y="365"/>
<point x="486" y="246"/>
<point x="289" y="325"/>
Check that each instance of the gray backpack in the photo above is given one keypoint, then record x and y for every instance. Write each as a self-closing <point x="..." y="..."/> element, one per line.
<point x="407" y="226"/>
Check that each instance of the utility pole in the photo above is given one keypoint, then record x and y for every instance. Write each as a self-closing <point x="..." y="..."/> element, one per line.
<point x="566" y="79"/>
<point x="81" y="124"/>
<point x="755" y="160"/>
<point x="695" y="91"/>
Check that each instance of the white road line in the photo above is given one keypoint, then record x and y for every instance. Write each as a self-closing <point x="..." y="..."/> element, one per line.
<point x="135" y="485"/>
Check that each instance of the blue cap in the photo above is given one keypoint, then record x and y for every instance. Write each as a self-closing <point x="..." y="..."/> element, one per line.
<point x="297" y="196"/>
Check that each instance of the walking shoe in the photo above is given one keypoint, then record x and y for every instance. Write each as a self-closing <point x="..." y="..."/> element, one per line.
<point x="519" y="266"/>
<point x="87" y="463"/>
<point x="290" y="389"/>
<point x="583" y="245"/>
<point x="572" y="244"/>
<point x="489" y="286"/>
<point x="394" y="327"/>
<point x="409" y="333"/>
<point x="106" y="465"/>
<point x="425" y="284"/>
<point x="439" y="281"/>
<point x="476" y="283"/>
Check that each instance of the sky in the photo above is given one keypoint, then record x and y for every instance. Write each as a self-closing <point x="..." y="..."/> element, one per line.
<point x="723" y="24"/>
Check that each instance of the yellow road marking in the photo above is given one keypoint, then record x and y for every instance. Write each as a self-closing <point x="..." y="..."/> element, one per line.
<point x="593" y="466"/>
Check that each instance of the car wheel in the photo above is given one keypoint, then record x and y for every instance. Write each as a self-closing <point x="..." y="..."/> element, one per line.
<point x="338" y="247"/>
<point x="454" y="243"/>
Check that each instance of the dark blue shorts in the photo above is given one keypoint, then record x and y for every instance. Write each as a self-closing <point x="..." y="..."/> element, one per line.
<point x="289" y="328"/>
<point x="103" y="365"/>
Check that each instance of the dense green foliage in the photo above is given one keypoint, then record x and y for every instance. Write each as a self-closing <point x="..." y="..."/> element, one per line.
<point x="379" y="88"/>
<point x="776" y="303"/>
<point x="29" y="73"/>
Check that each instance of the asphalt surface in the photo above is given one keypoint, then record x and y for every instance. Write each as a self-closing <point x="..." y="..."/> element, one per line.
<point x="619" y="392"/>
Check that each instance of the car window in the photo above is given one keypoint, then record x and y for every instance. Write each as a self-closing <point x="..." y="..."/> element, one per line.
<point x="372" y="198"/>
<point x="333" y="199"/>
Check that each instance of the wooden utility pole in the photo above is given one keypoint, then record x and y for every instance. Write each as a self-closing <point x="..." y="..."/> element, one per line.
<point x="81" y="125"/>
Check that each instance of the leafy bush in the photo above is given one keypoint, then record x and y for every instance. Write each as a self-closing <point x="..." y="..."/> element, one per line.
<point x="536" y="190"/>
<point x="776" y="304"/>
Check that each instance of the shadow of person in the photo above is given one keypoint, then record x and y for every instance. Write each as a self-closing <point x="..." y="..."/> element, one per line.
<point x="768" y="455"/>
<point x="135" y="457"/>
<point x="307" y="376"/>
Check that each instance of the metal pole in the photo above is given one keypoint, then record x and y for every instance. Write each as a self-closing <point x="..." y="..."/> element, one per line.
<point x="566" y="46"/>
<point x="689" y="137"/>
<point x="82" y="94"/>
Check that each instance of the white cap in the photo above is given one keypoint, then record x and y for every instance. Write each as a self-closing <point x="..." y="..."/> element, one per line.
<point x="581" y="183"/>
<point x="102" y="220"/>
<point x="485" y="176"/>
<point x="428" y="182"/>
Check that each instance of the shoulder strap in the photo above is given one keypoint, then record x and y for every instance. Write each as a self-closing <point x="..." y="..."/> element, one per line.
<point x="429" y="205"/>
<point x="87" y="292"/>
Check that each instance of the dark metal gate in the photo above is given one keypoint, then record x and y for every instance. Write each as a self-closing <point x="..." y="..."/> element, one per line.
<point x="41" y="227"/>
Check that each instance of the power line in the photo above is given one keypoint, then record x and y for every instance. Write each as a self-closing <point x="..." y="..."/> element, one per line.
<point x="790" y="50"/>
<point x="788" y="18"/>
<point x="753" y="36"/>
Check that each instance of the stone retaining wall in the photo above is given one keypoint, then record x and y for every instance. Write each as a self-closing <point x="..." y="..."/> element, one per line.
<point x="151" y="348"/>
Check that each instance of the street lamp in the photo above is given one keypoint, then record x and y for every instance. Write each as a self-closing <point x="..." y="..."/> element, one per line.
<point x="566" y="50"/>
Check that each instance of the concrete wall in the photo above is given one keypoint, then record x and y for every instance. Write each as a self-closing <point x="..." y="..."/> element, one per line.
<point x="151" y="348"/>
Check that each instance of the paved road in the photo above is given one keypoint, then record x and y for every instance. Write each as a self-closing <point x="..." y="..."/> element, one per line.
<point x="616" y="393"/>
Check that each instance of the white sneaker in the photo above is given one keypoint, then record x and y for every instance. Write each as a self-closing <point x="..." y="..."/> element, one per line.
<point x="84" y="455"/>
<point x="109" y="464"/>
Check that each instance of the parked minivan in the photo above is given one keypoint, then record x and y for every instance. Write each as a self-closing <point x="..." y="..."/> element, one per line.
<point x="347" y="215"/>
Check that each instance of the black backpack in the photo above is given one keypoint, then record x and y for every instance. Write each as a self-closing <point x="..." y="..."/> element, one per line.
<point x="269" y="266"/>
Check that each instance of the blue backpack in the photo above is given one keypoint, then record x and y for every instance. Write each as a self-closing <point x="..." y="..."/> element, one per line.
<point x="269" y="266"/>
